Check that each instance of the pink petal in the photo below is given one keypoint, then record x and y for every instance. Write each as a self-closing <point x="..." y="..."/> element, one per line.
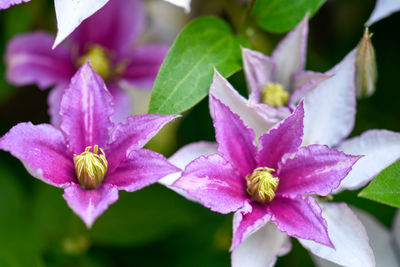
<point x="4" y="4"/>
<point x="133" y="134"/>
<point x="143" y="167"/>
<point x="348" y="236"/>
<point x="54" y="102"/>
<point x="43" y="151"/>
<point x="290" y="54"/>
<point x="86" y="108"/>
<point x="122" y="103"/>
<point x="214" y="182"/>
<point x="260" y="119"/>
<point x="284" y="138"/>
<point x="314" y="169"/>
<point x="259" y="70"/>
<point x="330" y="108"/>
<point x="383" y="9"/>
<point x="248" y="220"/>
<point x="300" y="217"/>
<point x="143" y="65"/>
<point x="90" y="204"/>
<point x="235" y="140"/>
<point x="121" y="24"/>
<point x="30" y="59"/>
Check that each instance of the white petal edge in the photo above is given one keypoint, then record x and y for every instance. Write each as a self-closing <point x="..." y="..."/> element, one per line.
<point x="348" y="236"/>
<point x="261" y="248"/>
<point x="185" y="4"/>
<point x="380" y="149"/>
<point x="71" y="13"/>
<point x="383" y="8"/>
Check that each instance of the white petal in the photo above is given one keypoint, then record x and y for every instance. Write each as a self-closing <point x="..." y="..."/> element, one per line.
<point x="181" y="3"/>
<point x="261" y="248"/>
<point x="186" y="154"/>
<point x="348" y="236"/>
<point x="383" y="8"/>
<point x="330" y="108"/>
<point x="224" y="92"/>
<point x="380" y="149"/>
<point x="290" y="54"/>
<point x="70" y="13"/>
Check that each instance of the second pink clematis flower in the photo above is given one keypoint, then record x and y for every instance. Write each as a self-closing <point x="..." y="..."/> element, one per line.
<point x="107" y="38"/>
<point x="88" y="156"/>
<point x="270" y="182"/>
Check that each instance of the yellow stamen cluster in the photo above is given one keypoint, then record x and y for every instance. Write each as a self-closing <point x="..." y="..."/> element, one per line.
<point x="90" y="167"/>
<point x="99" y="59"/>
<point x="261" y="184"/>
<point x="274" y="95"/>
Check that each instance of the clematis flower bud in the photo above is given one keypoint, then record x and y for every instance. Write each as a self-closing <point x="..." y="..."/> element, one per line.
<point x="366" y="73"/>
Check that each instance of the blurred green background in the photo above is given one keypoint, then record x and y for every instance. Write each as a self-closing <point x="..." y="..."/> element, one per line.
<point x="155" y="226"/>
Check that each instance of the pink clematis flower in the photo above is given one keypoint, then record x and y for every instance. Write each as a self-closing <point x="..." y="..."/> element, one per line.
<point x="106" y="38"/>
<point x="265" y="184"/>
<point x="88" y="156"/>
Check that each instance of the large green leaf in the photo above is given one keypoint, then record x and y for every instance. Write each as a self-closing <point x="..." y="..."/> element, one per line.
<point x="186" y="73"/>
<point x="385" y="188"/>
<point x="282" y="15"/>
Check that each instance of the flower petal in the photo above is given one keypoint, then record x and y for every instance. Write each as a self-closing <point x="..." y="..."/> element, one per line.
<point x="86" y="108"/>
<point x="383" y="9"/>
<point x="252" y="115"/>
<point x="331" y="107"/>
<point x="30" y="59"/>
<point x="348" y="236"/>
<point x="380" y="149"/>
<point x="121" y="24"/>
<point x="54" y="102"/>
<point x="261" y="248"/>
<point x="300" y="217"/>
<point x="181" y="3"/>
<point x="259" y="70"/>
<point x="185" y="155"/>
<point x="7" y="3"/>
<point x="70" y="13"/>
<point x="235" y="140"/>
<point x="314" y="169"/>
<point x="90" y="204"/>
<point x="133" y="134"/>
<point x="43" y="151"/>
<point x="282" y="139"/>
<point x="214" y="182"/>
<point x="143" y="65"/>
<point x="290" y="54"/>
<point x="122" y="103"/>
<point x="143" y="167"/>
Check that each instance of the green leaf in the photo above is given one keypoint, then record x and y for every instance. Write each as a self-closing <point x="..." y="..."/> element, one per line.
<point x="385" y="188"/>
<point x="186" y="73"/>
<point x="282" y="15"/>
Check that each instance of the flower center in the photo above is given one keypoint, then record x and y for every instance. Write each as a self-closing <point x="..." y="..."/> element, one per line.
<point x="261" y="184"/>
<point x="274" y="95"/>
<point x="99" y="59"/>
<point x="90" y="167"/>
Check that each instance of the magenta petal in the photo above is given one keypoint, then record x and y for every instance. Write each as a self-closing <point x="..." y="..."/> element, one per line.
<point x="248" y="220"/>
<point x="133" y="134"/>
<point x="286" y="137"/>
<point x="300" y="217"/>
<point x="30" y="59"/>
<point x="144" y="63"/>
<point x="214" y="182"/>
<point x="90" y="204"/>
<point x="143" y="167"/>
<point x="86" y="108"/>
<point x="235" y="140"/>
<point x="314" y="169"/>
<point x="122" y="103"/>
<point x="121" y="22"/>
<point x="42" y="150"/>
<point x="4" y="4"/>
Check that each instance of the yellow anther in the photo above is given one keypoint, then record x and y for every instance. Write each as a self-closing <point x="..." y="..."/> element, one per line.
<point x="261" y="184"/>
<point x="99" y="60"/>
<point x="274" y="95"/>
<point x="90" y="167"/>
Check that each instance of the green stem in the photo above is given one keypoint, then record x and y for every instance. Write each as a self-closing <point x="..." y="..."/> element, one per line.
<point x="246" y="15"/>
